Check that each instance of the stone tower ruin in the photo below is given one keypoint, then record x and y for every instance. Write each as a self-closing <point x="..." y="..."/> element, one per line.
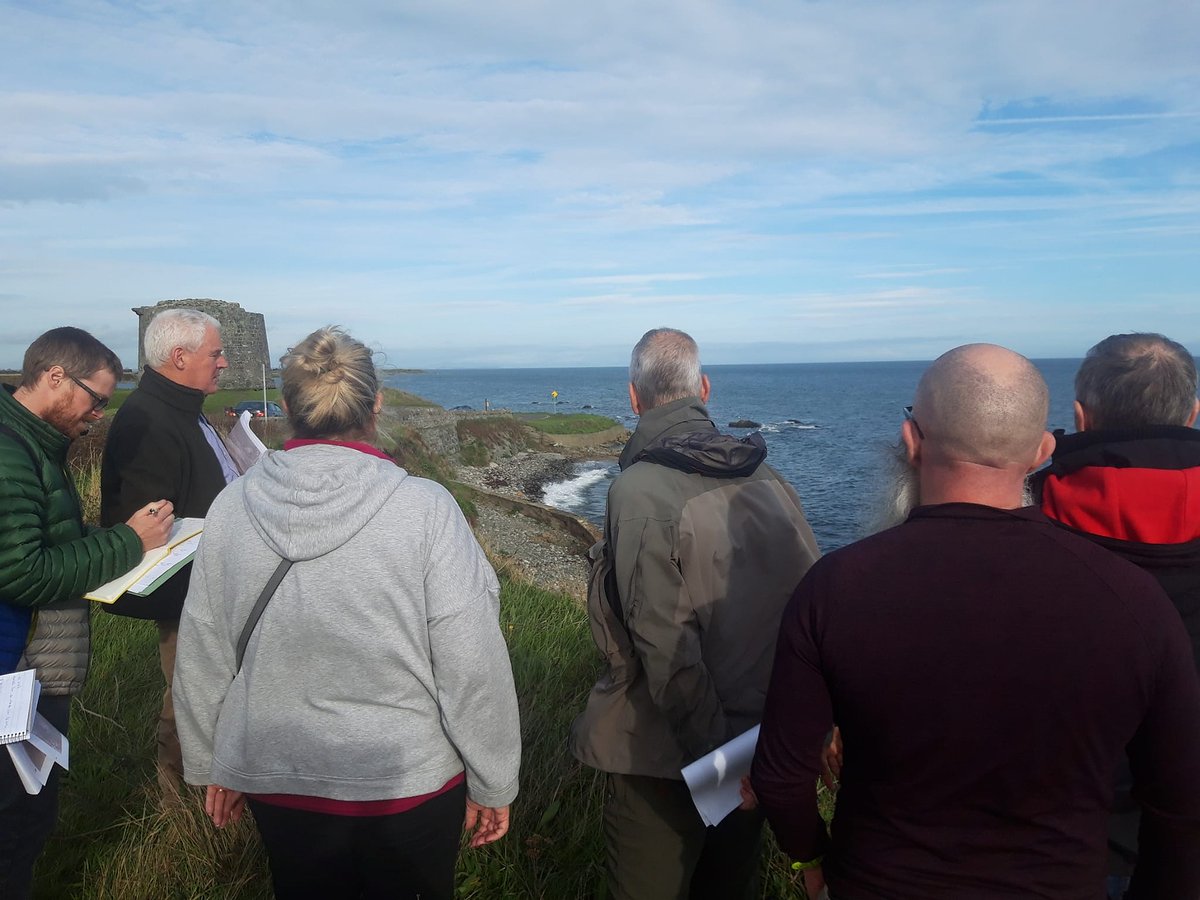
<point x="243" y="335"/>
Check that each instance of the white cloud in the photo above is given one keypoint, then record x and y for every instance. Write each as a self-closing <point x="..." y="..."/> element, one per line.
<point x="417" y="166"/>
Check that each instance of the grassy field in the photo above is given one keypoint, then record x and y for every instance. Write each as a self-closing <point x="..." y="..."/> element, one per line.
<point x="481" y="439"/>
<point x="117" y="841"/>
<point x="214" y="404"/>
<point x="567" y="423"/>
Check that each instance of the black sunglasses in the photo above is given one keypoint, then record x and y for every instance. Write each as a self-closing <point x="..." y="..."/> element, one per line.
<point x="98" y="402"/>
<point x="909" y="415"/>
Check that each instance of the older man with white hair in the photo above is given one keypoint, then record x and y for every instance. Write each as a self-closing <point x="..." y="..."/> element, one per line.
<point x="958" y="652"/>
<point x="161" y="445"/>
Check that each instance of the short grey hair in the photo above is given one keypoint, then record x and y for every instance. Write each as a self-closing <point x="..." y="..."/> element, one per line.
<point x="173" y="328"/>
<point x="1135" y="380"/>
<point x="665" y="366"/>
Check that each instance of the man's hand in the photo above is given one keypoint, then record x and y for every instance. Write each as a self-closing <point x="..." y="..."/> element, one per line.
<point x="223" y="805"/>
<point x="749" y="798"/>
<point x="831" y="760"/>
<point x="814" y="884"/>
<point x="152" y="523"/>
<point x="486" y="823"/>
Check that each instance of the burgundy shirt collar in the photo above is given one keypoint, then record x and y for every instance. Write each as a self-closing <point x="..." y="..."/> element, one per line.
<point x="293" y="443"/>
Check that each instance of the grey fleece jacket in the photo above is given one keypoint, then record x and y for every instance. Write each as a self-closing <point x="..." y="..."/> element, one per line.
<point x="378" y="669"/>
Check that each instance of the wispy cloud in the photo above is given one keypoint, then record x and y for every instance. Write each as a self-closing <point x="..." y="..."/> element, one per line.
<point x="530" y="173"/>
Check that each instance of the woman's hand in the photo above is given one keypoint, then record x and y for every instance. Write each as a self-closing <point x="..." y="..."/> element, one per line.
<point x="223" y="805"/>
<point x="485" y="823"/>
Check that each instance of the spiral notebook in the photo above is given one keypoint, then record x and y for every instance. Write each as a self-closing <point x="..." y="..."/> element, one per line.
<point x="156" y="566"/>
<point x="18" y="704"/>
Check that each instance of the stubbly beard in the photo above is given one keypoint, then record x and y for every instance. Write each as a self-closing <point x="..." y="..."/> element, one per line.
<point x="62" y="419"/>
<point x="901" y="492"/>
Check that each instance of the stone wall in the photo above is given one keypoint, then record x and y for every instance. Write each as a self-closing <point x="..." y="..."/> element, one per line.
<point x="243" y="335"/>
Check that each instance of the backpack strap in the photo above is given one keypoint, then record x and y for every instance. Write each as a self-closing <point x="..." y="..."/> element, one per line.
<point x="259" y="606"/>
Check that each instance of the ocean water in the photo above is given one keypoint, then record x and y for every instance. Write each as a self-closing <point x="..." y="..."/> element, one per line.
<point x="828" y="426"/>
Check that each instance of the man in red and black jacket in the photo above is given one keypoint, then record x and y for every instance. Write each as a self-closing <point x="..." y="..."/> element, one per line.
<point x="1129" y="479"/>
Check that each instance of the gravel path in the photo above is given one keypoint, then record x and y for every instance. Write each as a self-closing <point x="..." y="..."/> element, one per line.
<point x="534" y="551"/>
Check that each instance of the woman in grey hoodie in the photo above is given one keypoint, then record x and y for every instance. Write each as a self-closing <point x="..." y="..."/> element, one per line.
<point x="375" y="699"/>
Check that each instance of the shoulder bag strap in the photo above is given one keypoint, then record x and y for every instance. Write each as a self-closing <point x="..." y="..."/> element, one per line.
<point x="259" y="606"/>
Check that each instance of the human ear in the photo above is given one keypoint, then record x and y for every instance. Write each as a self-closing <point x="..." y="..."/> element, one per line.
<point x="911" y="441"/>
<point x="1044" y="451"/>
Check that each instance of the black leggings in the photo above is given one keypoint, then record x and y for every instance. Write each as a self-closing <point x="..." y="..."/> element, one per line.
<point x="407" y="856"/>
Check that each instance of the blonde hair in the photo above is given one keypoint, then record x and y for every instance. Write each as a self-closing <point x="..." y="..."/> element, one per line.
<point x="329" y="386"/>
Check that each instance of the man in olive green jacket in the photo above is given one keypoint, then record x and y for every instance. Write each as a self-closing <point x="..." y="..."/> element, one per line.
<point x="49" y="558"/>
<point x="705" y="544"/>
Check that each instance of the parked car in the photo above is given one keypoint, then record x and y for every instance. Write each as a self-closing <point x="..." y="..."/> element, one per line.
<point x="255" y="408"/>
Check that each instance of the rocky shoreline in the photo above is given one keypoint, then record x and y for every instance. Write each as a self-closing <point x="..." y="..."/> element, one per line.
<point x="535" y="550"/>
<point x="508" y="492"/>
<point x="524" y="474"/>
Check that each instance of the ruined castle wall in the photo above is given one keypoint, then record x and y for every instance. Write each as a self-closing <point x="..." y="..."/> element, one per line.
<point x="243" y="335"/>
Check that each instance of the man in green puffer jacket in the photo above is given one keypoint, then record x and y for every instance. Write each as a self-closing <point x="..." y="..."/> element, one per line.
<point x="49" y="558"/>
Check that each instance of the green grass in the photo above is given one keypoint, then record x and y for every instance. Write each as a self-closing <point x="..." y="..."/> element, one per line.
<point x="116" y="841"/>
<point x="482" y="439"/>
<point x="397" y="397"/>
<point x="214" y="404"/>
<point x="568" y="423"/>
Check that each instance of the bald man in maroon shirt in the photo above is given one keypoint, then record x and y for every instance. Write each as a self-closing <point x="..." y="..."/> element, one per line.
<point x="962" y="653"/>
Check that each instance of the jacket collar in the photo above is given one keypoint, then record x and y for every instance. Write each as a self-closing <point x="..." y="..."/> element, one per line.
<point x="1153" y="446"/>
<point x="51" y="441"/>
<point x="677" y="417"/>
<point x="1135" y="486"/>
<point x="162" y="388"/>
<point x="977" y="511"/>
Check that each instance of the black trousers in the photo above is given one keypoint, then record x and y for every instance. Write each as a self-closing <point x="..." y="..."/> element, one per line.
<point x="26" y="820"/>
<point x="406" y="856"/>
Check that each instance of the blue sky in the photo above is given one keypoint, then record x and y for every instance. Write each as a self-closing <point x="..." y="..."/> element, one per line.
<point x="537" y="183"/>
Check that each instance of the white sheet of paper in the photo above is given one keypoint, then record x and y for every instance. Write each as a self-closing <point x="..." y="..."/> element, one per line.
<point x="32" y="766"/>
<point x="715" y="779"/>
<point x="243" y="444"/>
<point x="179" y="552"/>
<point x="50" y="741"/>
